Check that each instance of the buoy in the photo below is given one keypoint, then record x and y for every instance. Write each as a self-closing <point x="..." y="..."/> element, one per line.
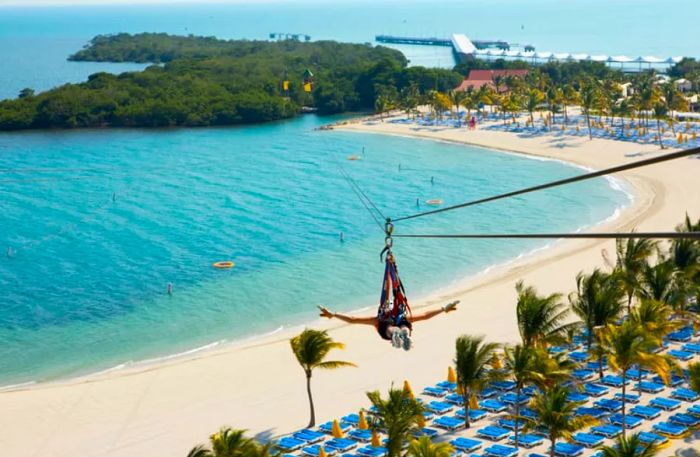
<point x="354" y="157"/>
<point x="224" y="264"/>
<point x="434" y="202"/>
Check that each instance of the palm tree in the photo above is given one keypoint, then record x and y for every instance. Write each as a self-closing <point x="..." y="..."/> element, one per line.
<point x="553" y="96"/>
<point x="694" y="376"/>
<point x="458" y="98"/>
<point x="629" y="344"/>
<point x="630" y="447"/>
<point x="632" y="258"/>
<point x="569" y="97"/>
<point x="532" y="101"/>
<point x="556" y="414"/>
<point x="472" y="362"/>
<point x="382" y="104"/>
<point x="498" y="81"/>
<point x="659" y="282"/>
<point x="597" y="302"/>
<point x="522" y="363"/>
<point x="674" y="101"/>
<point x="399" y="415"/>
<point x="310" y="348"/>
<point x="424" y="447"/>
<point x="685" y="255"/>
<point x="540" y="318"/>
<point x="589" y="96"/>
<point x="228" y="442"/>
<point x="660" y="113"/>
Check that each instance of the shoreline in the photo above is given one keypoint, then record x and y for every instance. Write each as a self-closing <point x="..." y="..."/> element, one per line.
<point x="167" y="408"/>
<point x="452" y="288"/>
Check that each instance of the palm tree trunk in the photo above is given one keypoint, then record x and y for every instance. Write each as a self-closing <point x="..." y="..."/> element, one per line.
<point x="312" y="421"/>
<point x="588" y="121"/>
<point x="658" y="131"/>
<point x="624" y="401"/>
<point x="600" y="365"/>
<point x="566" y="115"/>
<point x="467" y="396"/>
<point x="629" y="303"/>
<point x="517" y="414"/>
<point x="554" y="443"/>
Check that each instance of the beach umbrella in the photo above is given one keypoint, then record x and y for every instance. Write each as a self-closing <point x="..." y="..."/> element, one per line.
<point x="375" y="439"/>
<point x="322" y="452"/>
<point x="362" y="422"/>
<point x="451" y="375"/>
<point x="336" y="430"/>
<point x="473" y="402"/>
<point x="408" y="390"/>
<point x="421" y="421"/>
<point x="496" y="362"/>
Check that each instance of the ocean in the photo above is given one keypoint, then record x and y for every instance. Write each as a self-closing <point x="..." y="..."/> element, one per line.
<point x="98" y="223"/>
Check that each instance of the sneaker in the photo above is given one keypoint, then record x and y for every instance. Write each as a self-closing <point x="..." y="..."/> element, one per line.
<point x="407" y="341"/>
<point x="396" y="338"/>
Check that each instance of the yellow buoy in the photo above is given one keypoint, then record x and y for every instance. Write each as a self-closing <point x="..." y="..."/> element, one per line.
<point x="224" y="264"/>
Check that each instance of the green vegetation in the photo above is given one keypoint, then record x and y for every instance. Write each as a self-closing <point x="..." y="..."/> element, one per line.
<point x="205" y="81"/>
<point x="398" y="415"/>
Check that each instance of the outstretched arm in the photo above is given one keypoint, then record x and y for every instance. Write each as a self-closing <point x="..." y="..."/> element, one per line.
<point x="429" y="314"/>
<point x="345" y="318"/>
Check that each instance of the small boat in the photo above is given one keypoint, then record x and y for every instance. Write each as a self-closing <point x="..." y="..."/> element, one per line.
<point x="434" y="202"/>
<point x="354" y="157"/>
<point x="223" y="264"/>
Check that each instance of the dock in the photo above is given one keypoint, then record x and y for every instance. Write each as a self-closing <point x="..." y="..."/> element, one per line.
<point x="459" y="42"/>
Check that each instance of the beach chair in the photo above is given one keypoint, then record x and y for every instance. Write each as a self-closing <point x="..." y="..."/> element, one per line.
<point x="510" y="424"/>
<point x="371" y="451"/>
<point x="680" y="336"/>
<point x="577" y="397"/>
<point x="290" y="444"/>
<point x="503" y="385"/>
<point x="449" y="423"/>
<point x="686" y="420"/>
<point x="628" y="423"/>
<point x="527" y="440"/>
<point x="683" y="356"/>
<point x="595" y="413"/>
<point x="428" y="416"/>
<point x="667" y="404"/>
<point x="466" y="444"/>
<point x="435" y="392"/>
<point x="645" y="412"/>
<point x="608" y="404"/>
<point x="629" y="398"/>
<point x="563" y="449"/>
<point x="595" y="365"/>
<point x="670" y="430"/>
<point x="425" y="431"/>
<point x="439" y="407"/>
<point x="447" y="385"/>
<point x="363" y="436"/>
<point x="582" y="374"/>
<point x="613" y="381"/>
<point x="530" y="390"/>
<point x="528" y="413"/>
<point x="314" y="449"/>
<point x="588" y="439"/>
<point x="652" y="438"/>
<point x="674" y="380"/>
<point x="511" y="398"/>
<point x="694" y="410"/>
<point x="493" y="433"/>
<point x="488" y="392"/>
<point x="455" y="399"/>
<point x="493" y="406"/>
<point x="351" y="419"/>
<point x="595" y="390"/>
<point x="578" y="356"/>
<point x="607" y="430"/>
<point x="309" y="436"/>
<point x="636" y="373"/>
<point x="328" y="427"/>
<point x="685" y="395"/>
<point x="650" y="387"/>
<point x="692" y="347"/>
<point x="474" y="414"/>
<point x="340" y="444"/>
<point x="498" y="450"/>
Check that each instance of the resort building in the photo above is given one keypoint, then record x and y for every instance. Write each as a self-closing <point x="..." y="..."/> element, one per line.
<point x="479" y="78"/>
<point x="683" y="85"/>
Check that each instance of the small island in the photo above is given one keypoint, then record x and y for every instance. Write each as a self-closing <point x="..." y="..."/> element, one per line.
<point x="204" y="81"/>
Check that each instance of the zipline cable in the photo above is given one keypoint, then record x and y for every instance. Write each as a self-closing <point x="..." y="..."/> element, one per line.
<point x="359" y="195"/>
<point x="359" y="189"/>
<point x="561" y="182"/>
<point x="651" y="235"/>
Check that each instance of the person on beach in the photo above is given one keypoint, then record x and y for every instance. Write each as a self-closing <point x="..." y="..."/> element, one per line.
<point x="395" y="329"/>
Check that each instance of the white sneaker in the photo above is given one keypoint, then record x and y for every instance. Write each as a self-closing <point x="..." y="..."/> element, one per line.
<point x="396" y="338"/>
<point x="407" y="342"/>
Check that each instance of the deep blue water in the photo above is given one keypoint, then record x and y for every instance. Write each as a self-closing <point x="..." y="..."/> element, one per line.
<point x="99" y="222"/>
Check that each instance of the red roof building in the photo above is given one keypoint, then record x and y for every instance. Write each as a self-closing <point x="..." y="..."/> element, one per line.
<point x="478" y="78"/>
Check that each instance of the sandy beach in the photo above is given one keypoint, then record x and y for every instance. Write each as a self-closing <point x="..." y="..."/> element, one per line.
<point x="166" y="409"/>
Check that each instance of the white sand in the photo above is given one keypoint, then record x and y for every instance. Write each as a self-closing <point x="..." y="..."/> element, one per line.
<point x="166" y="409"/>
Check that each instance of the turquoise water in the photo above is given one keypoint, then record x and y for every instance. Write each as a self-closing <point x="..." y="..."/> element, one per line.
<point x="35" y="41"/>
<point x="100" y="222"/>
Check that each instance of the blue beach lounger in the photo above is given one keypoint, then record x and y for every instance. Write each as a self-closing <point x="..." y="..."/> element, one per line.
<point x="449" y="423"/>
<point x="613" y="381"/>
<point x="351" y="419"/>
<point x="503" y="385"/>
<point x="511" y="398"/>
<point x="439" y="407"/>
<point x="493" y="406"/>
<point x="510" y="424"/>
<point x="629" y="422"/>
<point x="447" y="385"/>
<point x="434" y="391"/>
<point x="681" y="355"/>
<point x="493" y="433"/>
<point x="595" y="413"/>
<point x="528" y="440"/>
<point x="692" y="347"/>
<point x="290" y="444"/>
<point x="630" y="398"/>
<point x="313" y="450"/>
<point x="682" y="336"/>
<point x="429" y="432"/>
<point x="577" y="397"/>
<point x="645" y="412"/>
<point x="474" y="414"/>
<point x="595" y="390"/>
<point x="674" y="381"/>
<point x="371" y="451"/>
<point x="636" y="373"/>
<point x="488" y="392"/>
<point x="466" y="444"/>
<point x="528" y="413"/>
<point x="608" y="430"/>
<point x="340" y="444"/>
<point x="685" y="395"/>
<point x="498" y="450"/>
<point x="650" y="387"/>
<point x="670" y="430"/>
<point x="588" y="439"/>
<point x="608" y="404"/>
<point x="684" y="419"/>
<point x="694" y="410"/>
<point x="578" y="356"/>
<point x="649" y="437"/>
<point x="363" y="436"/>
<point x="568" y="449"/>
<point x="328" y="427"/>
<point x="583" y="374"/>
<point x="309" y="436"/>
<point x="455" y="399"/>
<point x="667" y="404"/>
